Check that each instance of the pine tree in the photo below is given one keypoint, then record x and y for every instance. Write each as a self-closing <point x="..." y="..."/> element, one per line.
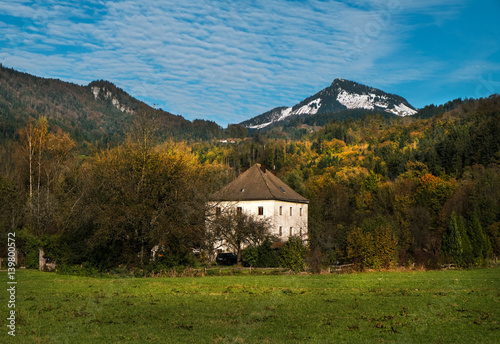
<point x="477" y="239"/>
<point x="467" y="255"/>
<point x="452" y="243"/>
<point x="487" y="249"/>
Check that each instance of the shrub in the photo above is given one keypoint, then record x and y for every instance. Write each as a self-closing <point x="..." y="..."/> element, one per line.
<point x="262" y="256"/>
<point x="293" y="254"/>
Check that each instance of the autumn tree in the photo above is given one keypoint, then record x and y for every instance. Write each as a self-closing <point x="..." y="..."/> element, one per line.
<point x="47" y="154"/>
<point x="432" y="192"/>
<point x="33" y="143"/>
<point x="385" y="248"/>
<point x="372" y="250"/>
<point x="61" y="149"/>
<point x="360" y="248"/>
<point x="141" y="201"/>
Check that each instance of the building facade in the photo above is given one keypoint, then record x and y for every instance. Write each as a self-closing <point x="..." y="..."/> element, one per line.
<point x="260" y="194"/>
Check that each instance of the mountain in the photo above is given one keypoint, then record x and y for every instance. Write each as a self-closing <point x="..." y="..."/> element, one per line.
<point x="97" y="114"/>
<point x="340" y="96"/>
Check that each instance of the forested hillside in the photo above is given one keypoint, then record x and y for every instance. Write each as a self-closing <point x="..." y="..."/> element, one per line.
<point x="393" y="186"/>
<point x="99" y="114"/>
<point x="383" y="191"/>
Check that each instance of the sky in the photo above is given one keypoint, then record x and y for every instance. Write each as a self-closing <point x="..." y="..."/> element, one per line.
<point x="228" y="61"/>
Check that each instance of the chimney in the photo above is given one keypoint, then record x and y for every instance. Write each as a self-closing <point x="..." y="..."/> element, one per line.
<point x="263" y="168"/>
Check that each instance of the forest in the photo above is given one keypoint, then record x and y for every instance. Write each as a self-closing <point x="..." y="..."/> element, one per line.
<point x="383" y="192"/>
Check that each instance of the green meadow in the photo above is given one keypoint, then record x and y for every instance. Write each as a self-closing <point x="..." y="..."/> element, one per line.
<point x="453" y="306"/>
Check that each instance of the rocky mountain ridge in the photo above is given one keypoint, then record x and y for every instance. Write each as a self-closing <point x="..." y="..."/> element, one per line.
<point x="341" y="95"/>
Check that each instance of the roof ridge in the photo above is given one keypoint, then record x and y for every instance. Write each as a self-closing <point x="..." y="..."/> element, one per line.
<point x="262" y="173"/>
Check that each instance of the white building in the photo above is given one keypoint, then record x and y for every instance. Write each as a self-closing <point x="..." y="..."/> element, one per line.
<point x="259" y="193"/>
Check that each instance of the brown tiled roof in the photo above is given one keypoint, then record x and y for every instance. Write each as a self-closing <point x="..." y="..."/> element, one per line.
<point x="255" y="184"/>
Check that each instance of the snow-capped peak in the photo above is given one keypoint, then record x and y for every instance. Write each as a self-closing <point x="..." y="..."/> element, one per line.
<point x="341" y="95"/>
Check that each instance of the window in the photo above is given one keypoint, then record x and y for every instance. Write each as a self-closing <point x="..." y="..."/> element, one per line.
<point x="300" y="211"/>
<point x="281" y="230"/>
<point x="291" y="231"/>
<point x="290" y="211"/>
<point x="281" y="210"/>
<point x="238" y="210"/>
<point x="261" y="210"/>
<point x="217" y="211"/>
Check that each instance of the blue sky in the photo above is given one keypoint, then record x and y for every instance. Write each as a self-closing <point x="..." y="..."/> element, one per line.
<point x="229" y="61"/>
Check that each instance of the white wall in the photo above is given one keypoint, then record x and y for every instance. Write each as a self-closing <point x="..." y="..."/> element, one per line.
<point x="297" y="221"/>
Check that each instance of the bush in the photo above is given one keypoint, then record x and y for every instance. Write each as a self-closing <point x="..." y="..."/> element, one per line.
<point x="30" y="245"/>
<point x="372" y="251"/>
<point x="293" y="254"/>
<point x="262" y="256"/>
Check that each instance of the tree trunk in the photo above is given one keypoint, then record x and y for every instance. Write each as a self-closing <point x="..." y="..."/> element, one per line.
<point x="238" y="254"/>
<point x="30" y="155"/>
<point x="41" y="260"/>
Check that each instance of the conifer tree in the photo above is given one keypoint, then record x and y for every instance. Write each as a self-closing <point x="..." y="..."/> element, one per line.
<point x="477" y="239"/>
<point x="467" y="255"/>
<point x="452" y="243"/>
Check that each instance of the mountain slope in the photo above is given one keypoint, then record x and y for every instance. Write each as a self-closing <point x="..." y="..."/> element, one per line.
<point x="98" y="113"/>
<point x="341" y="95"/>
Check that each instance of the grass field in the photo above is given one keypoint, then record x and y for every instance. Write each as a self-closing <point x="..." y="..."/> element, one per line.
<point x="454" y="306"/>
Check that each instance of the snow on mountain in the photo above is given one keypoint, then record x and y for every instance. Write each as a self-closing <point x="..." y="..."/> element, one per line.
<point x="267" y="118"/>
<point x="356" y="101"/>
<point x="285" y="113"/>
<point x="310" y="108"/>
<point x="339" y="96"/>
<point x="402" y="110"/>
<point x="371" y="101"/>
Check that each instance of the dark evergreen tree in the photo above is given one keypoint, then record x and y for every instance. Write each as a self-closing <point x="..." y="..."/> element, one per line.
<point x="451" y="245"/>
<point x="467" y="256"/>
<point x="477" y="239"/>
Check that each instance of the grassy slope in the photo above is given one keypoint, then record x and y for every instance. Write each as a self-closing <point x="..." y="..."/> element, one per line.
<point x="410" y="307"/>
